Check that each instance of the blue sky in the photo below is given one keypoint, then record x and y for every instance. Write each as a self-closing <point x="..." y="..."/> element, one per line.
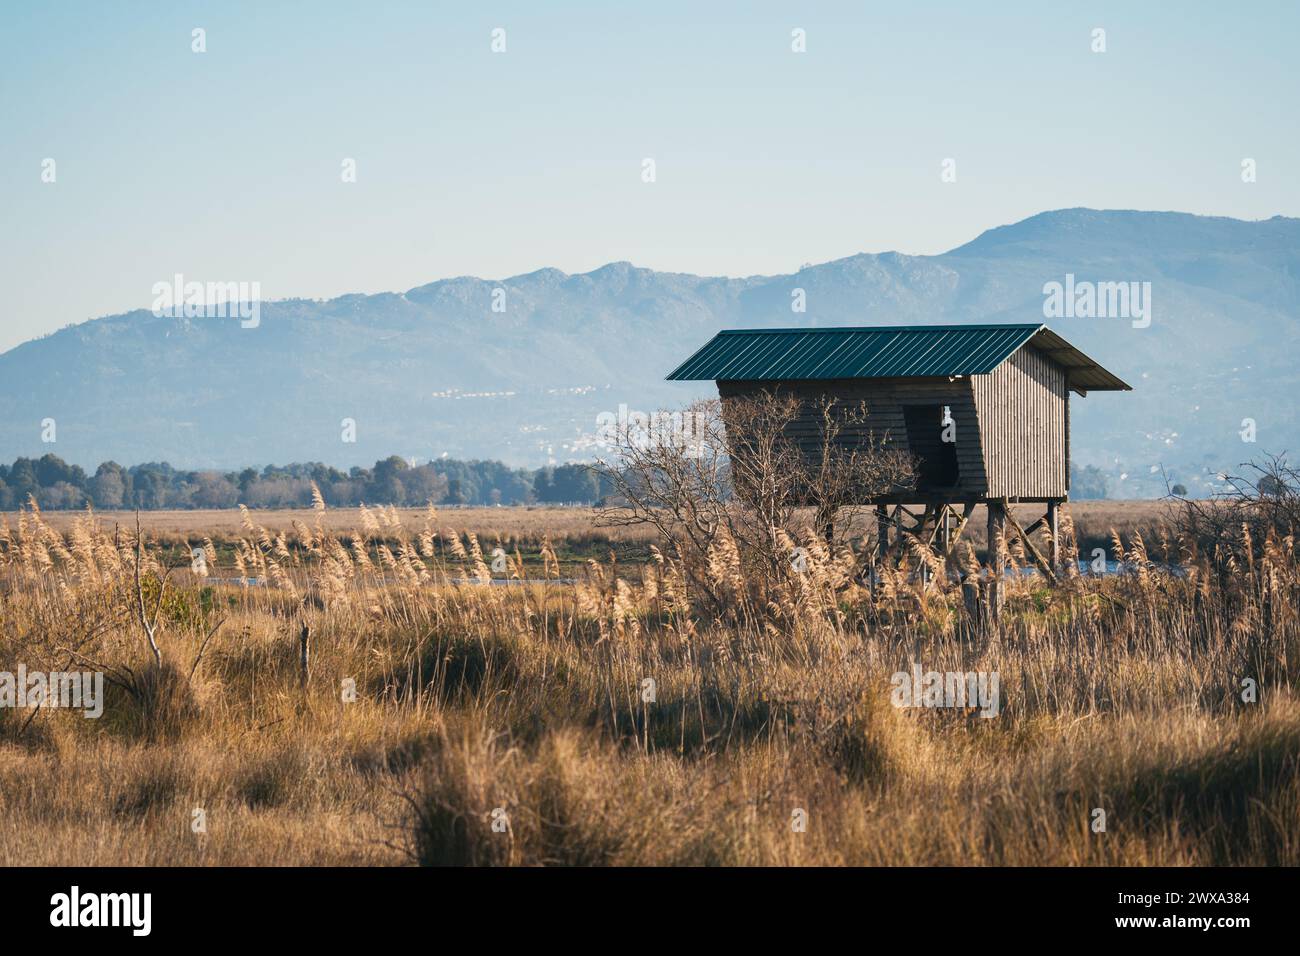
<point x="225" y="165"/>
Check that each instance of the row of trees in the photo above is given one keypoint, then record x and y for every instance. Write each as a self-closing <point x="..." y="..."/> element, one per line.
<point x="55" y="485"/>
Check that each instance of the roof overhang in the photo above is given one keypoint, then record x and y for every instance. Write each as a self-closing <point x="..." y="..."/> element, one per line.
<point x="1082" y="374"/>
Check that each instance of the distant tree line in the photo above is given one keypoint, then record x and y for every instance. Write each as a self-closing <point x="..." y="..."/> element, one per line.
<point x="57" y="485"/>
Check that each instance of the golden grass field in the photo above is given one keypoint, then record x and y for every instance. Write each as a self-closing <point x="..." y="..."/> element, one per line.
<point x="572" y="531"/>
<point x="509" y="725"/>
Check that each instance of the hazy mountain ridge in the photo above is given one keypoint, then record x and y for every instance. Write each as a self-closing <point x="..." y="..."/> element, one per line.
<point x="435" y="370"/>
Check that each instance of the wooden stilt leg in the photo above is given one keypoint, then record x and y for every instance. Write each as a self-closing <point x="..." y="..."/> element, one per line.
<point x="882" y="531"/>
<point x="1030" y="549"/>
<point x="997" y="546"/>
<point x="1054" y="529"/>
<point x="828" y="531"/>
<point x="997" y="535"/>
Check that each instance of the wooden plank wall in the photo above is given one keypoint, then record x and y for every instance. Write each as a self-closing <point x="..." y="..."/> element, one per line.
<point x="1021" y="409"/>
<point x="885" y="398"/>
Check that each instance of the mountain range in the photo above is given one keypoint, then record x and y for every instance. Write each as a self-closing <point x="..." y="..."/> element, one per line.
<point x="437" y="370"/>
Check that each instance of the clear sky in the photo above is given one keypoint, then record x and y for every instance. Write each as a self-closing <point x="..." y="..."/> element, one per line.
<point x="226" y="165"/>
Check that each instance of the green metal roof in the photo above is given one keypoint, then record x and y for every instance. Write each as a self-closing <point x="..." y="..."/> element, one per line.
<point x="889" y="351"/>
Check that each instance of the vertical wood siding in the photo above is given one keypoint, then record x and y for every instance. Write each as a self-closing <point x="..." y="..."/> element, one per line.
<point x="1022" y="417"/>
<point x="885" y="398"/>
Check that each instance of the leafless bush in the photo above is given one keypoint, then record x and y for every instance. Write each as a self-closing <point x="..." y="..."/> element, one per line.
<point x="749" y="480"/>
<point x="1235" y="524"/>
<point x="779" y="466"/>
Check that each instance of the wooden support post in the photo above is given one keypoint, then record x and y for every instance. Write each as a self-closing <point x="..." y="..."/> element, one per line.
<point x="882" y="531"/>
<point x="1037" y="525"/>
<point x="1043" y="565"/>
<point x="961" y="521"/>
<point x="828" y="531"/>
<point x="997" y="510"/>
<point x="896" y="553"/>
<point x="899" y="511"/>
<point x="1054" y="529"/>
<point x="927" y="539"/>
<point x="997" y="544"/>
<point x="923" y="522"/>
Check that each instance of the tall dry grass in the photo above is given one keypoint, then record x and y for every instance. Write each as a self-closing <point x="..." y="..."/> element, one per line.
<point x="508" y="724"/>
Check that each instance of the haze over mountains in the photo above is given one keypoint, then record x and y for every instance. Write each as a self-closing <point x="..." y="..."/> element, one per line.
<point x="436" y="371"/>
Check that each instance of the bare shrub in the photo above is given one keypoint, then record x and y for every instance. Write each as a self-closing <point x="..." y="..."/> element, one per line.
<point x="760" y="487"/>
<point x="1235" y="524"/>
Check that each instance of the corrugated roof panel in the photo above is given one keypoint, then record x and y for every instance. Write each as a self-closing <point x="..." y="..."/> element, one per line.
<point x="897" y="351"/>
